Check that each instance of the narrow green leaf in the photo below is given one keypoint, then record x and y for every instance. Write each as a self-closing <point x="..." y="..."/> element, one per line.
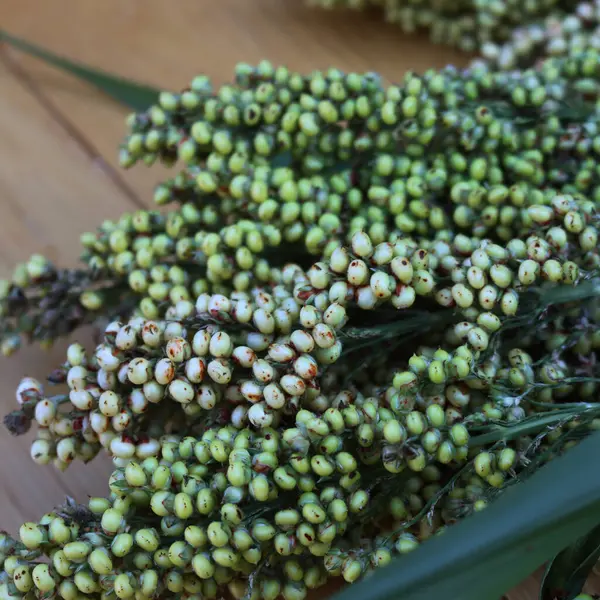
<point x="136" y="96"/>
<point x="567" y="573"/>
<point x="487" y="554"/>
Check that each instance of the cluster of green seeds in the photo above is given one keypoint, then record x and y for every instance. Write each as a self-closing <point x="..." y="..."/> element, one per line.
<point x="311" y="160"/>
<point x="366" y="312"/>
<point x="509" y="35"/>
<point x="205" y="513"/>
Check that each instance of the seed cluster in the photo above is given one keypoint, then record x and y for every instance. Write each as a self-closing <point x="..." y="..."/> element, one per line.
<point x="507" y="34"/>
<point x="366" y="312"/>
<point x="207" y="512"/>
<point x="311" y="160"/>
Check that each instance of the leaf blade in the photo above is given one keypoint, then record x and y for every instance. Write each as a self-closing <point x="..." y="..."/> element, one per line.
<point x="134" y="95"/>
<point x="567" y="573"/>
<point x="487" y="554"/>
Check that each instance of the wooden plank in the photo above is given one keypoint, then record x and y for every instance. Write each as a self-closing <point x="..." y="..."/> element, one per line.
<point x="49" y="193"/>
<point x="164" y="43"/>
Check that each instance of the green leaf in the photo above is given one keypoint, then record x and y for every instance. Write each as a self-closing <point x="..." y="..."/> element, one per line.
<point x="136" y="96"/>
<point x="567" y="573"/>
<point x="487" y="554"/>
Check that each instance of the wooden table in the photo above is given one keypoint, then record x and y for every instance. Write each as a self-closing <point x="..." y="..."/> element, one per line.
<point x="58" y="145"/>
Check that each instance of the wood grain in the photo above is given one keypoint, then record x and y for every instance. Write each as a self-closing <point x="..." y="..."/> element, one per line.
<point x="59" y="139"/>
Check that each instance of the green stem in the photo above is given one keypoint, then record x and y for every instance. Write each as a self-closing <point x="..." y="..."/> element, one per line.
<point x="569" y="293"/>
<point x="505" y="433"/>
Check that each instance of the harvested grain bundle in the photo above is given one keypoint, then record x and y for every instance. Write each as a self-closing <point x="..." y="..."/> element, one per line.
<point x="369" y="312"/>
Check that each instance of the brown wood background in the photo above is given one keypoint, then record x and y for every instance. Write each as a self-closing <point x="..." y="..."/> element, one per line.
<point x="58" y="145"/>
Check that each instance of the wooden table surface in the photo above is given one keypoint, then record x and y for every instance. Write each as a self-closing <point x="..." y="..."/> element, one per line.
<point x="58" y="145"/>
